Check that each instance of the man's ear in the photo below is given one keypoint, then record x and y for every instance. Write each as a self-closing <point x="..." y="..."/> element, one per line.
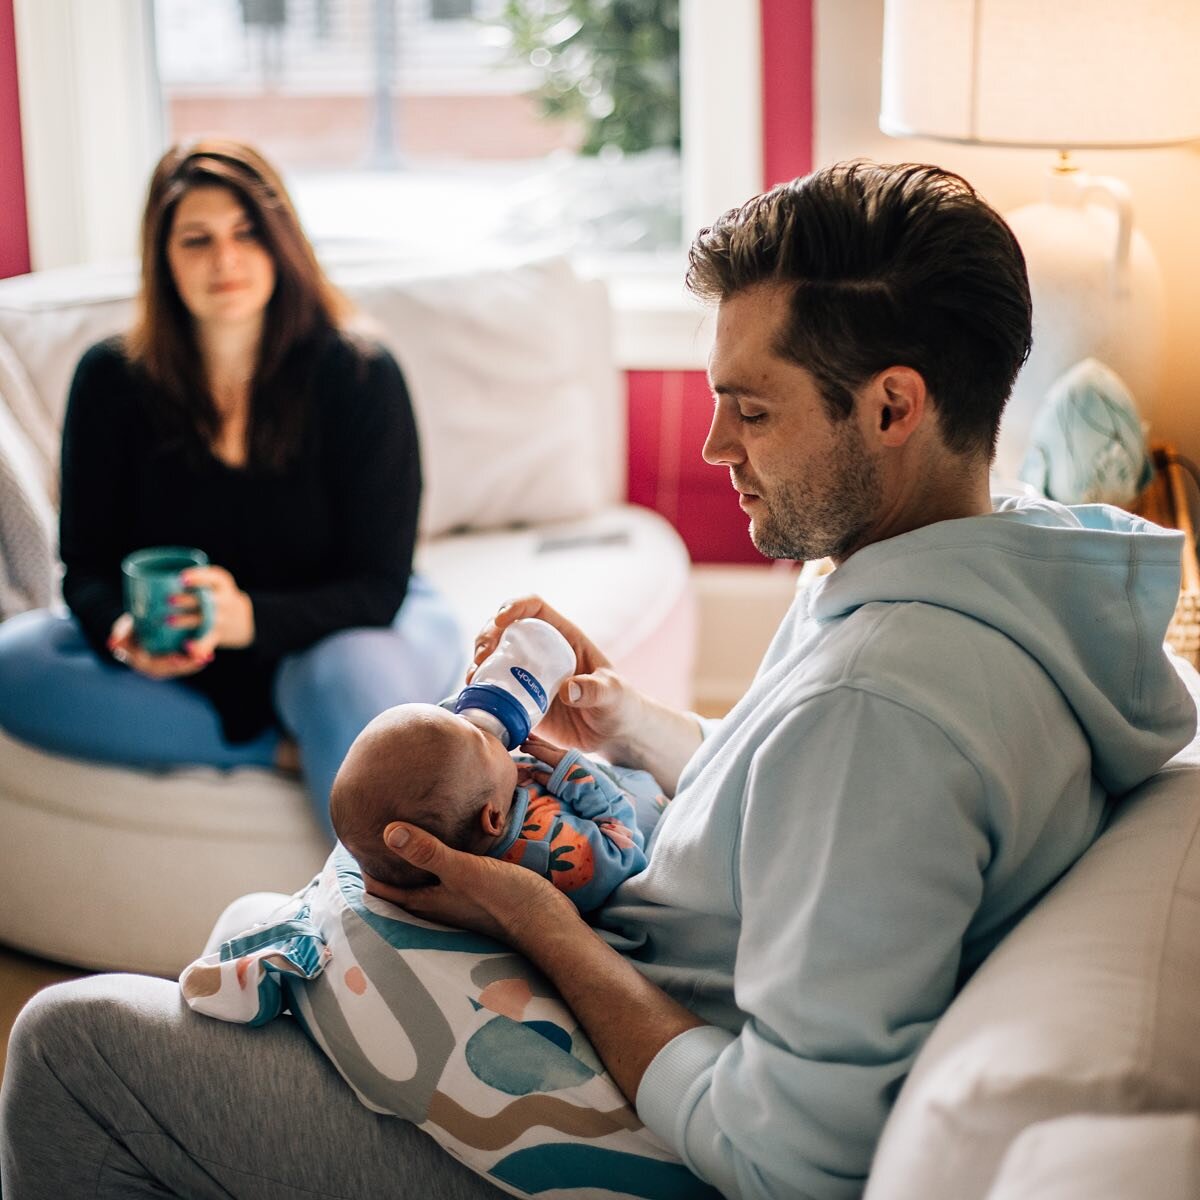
<point x="894" y="403"/>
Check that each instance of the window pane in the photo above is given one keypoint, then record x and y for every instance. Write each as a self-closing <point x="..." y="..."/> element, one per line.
<point x="444" y="123"/>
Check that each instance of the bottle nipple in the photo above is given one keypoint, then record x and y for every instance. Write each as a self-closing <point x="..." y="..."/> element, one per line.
<point x="488" y="722"/>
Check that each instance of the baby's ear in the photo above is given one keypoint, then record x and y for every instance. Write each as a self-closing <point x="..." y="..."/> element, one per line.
<point x="491" y="820"/>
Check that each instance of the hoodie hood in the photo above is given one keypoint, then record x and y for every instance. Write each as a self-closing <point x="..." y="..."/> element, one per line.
<point x="1087" y="592"/>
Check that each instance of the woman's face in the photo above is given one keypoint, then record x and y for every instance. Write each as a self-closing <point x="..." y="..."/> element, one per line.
<point x="222" y="271"/>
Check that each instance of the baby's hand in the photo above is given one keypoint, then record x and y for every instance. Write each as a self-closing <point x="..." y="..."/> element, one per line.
<point x="546" y="751"/>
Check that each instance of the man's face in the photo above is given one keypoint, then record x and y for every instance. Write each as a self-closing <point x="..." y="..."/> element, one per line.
<point x="809" y="484"/>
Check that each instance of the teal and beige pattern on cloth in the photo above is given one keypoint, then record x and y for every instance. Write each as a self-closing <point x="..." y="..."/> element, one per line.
<point x="449" y="1030"/>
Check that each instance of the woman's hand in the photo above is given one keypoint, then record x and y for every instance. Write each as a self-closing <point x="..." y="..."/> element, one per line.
<point x="233" y="612"/>
<point x="473" y="892"/>
<point x="123" y="646"/>
<point x="595" y="709"/>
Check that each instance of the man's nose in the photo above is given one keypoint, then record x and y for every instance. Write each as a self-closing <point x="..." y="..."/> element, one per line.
<point x="721" y="446"/>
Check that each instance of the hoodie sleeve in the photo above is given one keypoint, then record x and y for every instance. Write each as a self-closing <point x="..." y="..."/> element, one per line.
<point x="859" y="869"/>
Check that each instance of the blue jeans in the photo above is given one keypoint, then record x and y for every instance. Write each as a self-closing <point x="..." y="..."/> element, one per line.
<point x="57" y="695"/>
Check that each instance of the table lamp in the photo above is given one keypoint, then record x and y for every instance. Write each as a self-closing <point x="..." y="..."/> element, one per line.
<point x="1063" y="75"/>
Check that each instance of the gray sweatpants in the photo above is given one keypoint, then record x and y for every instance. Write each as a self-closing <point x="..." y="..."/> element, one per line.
<point x="114" y="1088"/>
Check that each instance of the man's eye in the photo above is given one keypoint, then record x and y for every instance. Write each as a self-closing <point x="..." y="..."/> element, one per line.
<point x="751" y="418"/>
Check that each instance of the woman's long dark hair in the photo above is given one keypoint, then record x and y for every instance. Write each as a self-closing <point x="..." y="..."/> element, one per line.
<point x="303" y="311"/>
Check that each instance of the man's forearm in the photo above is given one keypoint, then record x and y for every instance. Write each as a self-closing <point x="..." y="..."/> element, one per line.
<point x="627" y="1018"/>
<point x="660" y="741"/>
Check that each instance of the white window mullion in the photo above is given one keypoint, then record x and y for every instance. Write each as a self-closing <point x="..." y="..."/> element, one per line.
<point x="721" y="66"/>
<point x="90" y="125"/>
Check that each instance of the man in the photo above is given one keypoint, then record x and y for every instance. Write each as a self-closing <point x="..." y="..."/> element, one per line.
<point x="928" y="745"/>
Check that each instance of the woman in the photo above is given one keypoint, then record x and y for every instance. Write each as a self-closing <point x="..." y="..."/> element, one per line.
<point x="237" y="416"/>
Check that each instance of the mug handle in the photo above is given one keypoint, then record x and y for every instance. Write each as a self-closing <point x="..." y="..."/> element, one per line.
<point x="205" y="599"/>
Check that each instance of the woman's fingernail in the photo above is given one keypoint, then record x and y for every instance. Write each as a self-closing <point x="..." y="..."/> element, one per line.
<point x="172" y="620"/>
<point x="574" y="691"/>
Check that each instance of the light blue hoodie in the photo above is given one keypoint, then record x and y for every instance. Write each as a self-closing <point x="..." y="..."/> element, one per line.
<point x="928" y="745"/>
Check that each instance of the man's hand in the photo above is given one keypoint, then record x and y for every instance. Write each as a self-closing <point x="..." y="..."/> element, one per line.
<point x="473" y="891"/>
<point x="627" y="1018"/>
<point x="596" y="709"/>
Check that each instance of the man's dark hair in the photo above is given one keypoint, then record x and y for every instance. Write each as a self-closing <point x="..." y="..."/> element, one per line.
<point x="890" y="266"/>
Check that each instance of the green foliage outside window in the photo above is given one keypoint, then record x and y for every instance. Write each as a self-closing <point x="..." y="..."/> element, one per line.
<point x="612" y="65"/>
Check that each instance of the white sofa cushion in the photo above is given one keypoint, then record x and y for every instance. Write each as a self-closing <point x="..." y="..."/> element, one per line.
<point x="514" y="406"/>
<point x="516" y="395"/>
<point x="1091" y="1004"/>
<point x="616" y="575"/>
<point x="1104" y="1158"/>
<point x="47" y="321"/>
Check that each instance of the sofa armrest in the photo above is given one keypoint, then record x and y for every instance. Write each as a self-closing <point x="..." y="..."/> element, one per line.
<point x="1088" y="1006"/>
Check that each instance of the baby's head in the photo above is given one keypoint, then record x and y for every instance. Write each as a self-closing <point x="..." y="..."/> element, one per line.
<point x="429" y="767"/>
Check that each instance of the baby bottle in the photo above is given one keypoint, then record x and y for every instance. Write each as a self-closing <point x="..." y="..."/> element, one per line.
<point x="512" y="688"/>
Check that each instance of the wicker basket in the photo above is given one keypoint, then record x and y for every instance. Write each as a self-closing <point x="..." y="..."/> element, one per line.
<point x="1165" y="503"/>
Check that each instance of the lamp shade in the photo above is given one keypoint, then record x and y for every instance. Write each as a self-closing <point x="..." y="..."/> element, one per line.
<point x="1108" y="74"/>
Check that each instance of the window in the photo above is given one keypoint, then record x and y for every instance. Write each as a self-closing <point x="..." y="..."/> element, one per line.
<point x="432" y="122"/>
<point x="451" y="10"/>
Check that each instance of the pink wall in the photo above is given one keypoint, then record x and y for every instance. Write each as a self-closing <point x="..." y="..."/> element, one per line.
<point x="14" y="234"/>
<point x="787" y="65"/>
<point x="669" y="411"/>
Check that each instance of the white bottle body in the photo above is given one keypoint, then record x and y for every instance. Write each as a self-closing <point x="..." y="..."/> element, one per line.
<point x="514" y="686"/>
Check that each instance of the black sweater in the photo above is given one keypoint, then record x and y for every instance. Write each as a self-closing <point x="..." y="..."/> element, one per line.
<point x="325" y="545"/>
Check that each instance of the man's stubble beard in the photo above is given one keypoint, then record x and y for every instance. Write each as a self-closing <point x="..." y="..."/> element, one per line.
<point x="827" y="512"/>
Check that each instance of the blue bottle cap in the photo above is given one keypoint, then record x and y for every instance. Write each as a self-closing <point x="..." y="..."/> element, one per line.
<point x="505" y="708"/>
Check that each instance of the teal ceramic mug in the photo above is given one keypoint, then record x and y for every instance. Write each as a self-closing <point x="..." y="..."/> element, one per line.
<point x="151" y="578"/>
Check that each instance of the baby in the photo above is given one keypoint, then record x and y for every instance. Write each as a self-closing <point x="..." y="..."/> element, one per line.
<point x="565" y="817"/>
<point x="579" y="823"/>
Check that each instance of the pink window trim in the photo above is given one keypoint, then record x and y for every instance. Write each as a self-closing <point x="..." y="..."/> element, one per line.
<point x="14" y="227"/>
<point x="787" y="75"/>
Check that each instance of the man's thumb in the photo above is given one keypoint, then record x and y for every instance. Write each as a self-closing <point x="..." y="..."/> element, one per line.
<point x="582" y="691"/>
<point x="413" y="845"/>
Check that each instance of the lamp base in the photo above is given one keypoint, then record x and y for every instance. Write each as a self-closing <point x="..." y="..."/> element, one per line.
<point x="1097" y="292"/>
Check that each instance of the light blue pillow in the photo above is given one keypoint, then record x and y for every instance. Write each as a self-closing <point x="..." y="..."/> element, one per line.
<point x="1087" y="444"/>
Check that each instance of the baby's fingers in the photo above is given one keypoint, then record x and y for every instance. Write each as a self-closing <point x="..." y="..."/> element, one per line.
<point x="546" y="751"/>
